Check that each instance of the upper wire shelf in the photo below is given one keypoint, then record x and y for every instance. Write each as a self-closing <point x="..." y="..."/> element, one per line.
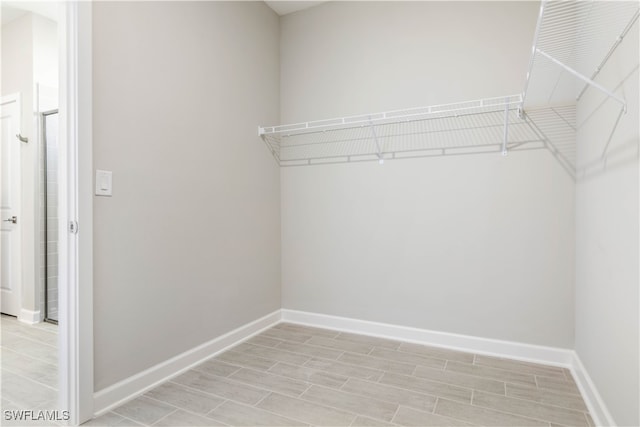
<point x="574" y="40"/>
<point x="485" y="125"/>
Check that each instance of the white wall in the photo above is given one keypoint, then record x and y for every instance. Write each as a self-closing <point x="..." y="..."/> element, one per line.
<point x="607" y="237"/>
<point x="479" y="244"/>
<point x="188" y="247"/>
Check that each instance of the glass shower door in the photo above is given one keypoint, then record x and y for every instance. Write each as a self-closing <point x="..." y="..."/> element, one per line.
<point x="50" y="141"/>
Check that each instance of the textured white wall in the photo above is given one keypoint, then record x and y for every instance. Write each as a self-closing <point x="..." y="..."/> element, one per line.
<point x="478" y="244"/>
<point x="188" y="247"/>
<point x="607" y="236"/>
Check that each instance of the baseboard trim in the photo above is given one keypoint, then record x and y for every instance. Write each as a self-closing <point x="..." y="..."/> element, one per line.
<point x="125" y="390"/>
<point x="29" y="317"/>
<point x="490" y="347"/>
<point x="597" y="408"/>
<point x="509" y="349"/>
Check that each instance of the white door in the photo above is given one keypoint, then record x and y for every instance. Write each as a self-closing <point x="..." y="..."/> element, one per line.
<point x="10" y="267"/>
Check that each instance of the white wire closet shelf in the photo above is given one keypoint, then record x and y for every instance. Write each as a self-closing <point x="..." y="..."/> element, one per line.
<point x="461" y="128"/>
<point x="572" y="43"/>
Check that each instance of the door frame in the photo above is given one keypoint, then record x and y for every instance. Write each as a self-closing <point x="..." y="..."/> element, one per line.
<point x="76" y="212"/>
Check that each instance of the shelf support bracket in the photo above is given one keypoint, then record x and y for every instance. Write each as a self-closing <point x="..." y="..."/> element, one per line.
<point x="611" y="50"/>
<point x="585" y="79"/>
<point x="375" y="138"/>
<point x="506" y="127"/>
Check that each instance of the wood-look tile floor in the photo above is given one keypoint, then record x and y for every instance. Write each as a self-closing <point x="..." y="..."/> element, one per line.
<point x="28" y="367"/>
<point x="297" y="375"/>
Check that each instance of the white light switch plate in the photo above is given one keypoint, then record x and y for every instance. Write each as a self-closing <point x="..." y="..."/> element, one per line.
<point x="103" y="183"/>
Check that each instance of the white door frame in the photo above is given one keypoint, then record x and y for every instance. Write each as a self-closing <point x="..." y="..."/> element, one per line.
<point x="76" y="207"/>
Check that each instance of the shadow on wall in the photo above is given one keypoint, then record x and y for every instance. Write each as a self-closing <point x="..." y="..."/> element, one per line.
<point x="624" y="153"/>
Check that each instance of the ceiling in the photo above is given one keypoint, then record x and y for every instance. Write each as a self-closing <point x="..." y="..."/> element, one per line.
<point x="286" y="7"/>
<point x="12" y="10"/>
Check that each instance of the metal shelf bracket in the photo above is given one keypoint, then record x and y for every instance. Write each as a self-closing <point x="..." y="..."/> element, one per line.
<point x="584" y="79"/>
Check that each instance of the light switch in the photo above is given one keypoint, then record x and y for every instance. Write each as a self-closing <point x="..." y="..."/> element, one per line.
<point x="103" y="183"/>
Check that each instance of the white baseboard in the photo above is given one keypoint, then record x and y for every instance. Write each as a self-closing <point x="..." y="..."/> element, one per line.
<point x="597" y="408"/>
<point x="487" y="346"/>
<point x="29" y="317"/>
<point x="117" y="394"/>
<point x="509" y="349"/>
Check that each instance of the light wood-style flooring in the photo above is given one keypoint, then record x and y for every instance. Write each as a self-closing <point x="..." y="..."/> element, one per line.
<point x="297" y="375"/>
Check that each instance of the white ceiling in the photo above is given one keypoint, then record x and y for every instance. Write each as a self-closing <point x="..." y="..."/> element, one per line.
<point x="285" y="7"/>
<point x="14" y="9"/>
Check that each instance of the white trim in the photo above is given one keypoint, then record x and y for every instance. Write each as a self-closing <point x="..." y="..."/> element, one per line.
<point x="29" y="317"/>
<point x="487" y="346"/>
<point x="508" y="349"/>
<point x="76" y="204"/>
<point x="117" y="394"/>
<point x="597" y="408"/>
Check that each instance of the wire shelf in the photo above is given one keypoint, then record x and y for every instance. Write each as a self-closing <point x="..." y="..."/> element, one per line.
<point x="582" y="35"/>
<point x="556" y="126"/>
<point x="460" y="128"/>
<point x="572" y="39"/>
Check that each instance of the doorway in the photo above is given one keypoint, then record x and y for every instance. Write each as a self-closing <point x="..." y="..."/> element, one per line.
<point x="30" y="365"/>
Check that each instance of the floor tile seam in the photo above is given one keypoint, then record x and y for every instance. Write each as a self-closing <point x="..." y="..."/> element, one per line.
<point x="395" y="414"/>
<point x="251" y="385"/>
<point x="408" y="390"/>
<point x="355" y="414"/>
<point x="55" y="347"/>
<point x="199" y="391"/>
<point x="487" y="378"/>
<point x="55" y="365"/>
<point x="511" y="370"/>
<point x="10" y="401"/>
<point x="309" y="345"/>
<point x="371" y="344"/>
<point x="16" y="371"/>
<point x="175" y="408"/>
<point x="246" y="365"/>
<point x="437" y="357"/>
<point x="513" y="413"/>
<point x="340" y="362"/>
<point x="307" y="383"/>
<point x="23" y="335"/>
<point x="238" y="368"/>
<point x="337" y="333"/>
<point x="433" y="412"/>
<point x="525" y="365"/>
<point x="162" y="418"/>
<point x="38" y="383"/>
<point x="436" y="381"/>
<point x="566" y="381"/>
<point x="543" y="404"/>
<point x="257" y="407"/>
<point x="415" y="365"/>
<point x="276" y="348"/>
<point x="164" y="402"/>
<point x="122" y="416"/>
<point x="224" y="399"/>
<point x="304" y="380"/>
<point x="365" y="397"/>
